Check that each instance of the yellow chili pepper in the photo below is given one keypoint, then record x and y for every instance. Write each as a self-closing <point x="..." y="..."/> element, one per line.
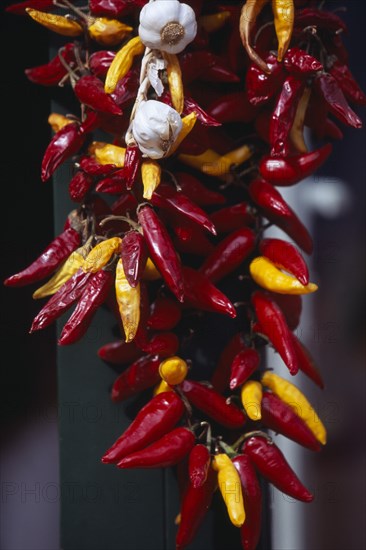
<point x="106" y="153"/>
<point x="57" y="121"/>
<point x="200" y="161"/>
<point x="230" y="487"/>
<point x="108" y="32"/>
<point x="297" y="130"/>
<point x="122" y="63"/>
<point x="251" y="398"/>
<point x="100" y="255"/>
<point x="214" y="21"/>
<point x="248" y="17"/>
<point x="284" y="13"/>
<point x="151" y="273"/>
<point x="67" y="270"/>
<point x="173" y="370"/>
<point x="188" y="124"/>
<point x="151" y="176"/>
<point x="174" y="75"/>
<point x="293" y="397"/>
<point x="162" y="387"/>
<point x="128" y="300"/>
<point x="56" y="23"/>
<point x="217" y="165"/>
<point x="268" y="276"/>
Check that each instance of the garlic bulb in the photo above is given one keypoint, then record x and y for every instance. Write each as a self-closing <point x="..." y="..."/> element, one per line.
<point x="167" y="25"/>
<point x="155" y="128"/>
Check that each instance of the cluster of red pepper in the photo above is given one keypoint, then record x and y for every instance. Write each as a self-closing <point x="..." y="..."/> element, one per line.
<point x="178" y="253"/>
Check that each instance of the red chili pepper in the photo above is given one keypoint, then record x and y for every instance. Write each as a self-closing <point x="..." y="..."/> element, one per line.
<point x="166" y="451"/>
<point x="330" y="130"/>
<point x="273" y="322"/>
<point x="65" y="143"/>
<point x="125" y="91"/>
<point x="164" y="344"/>
<point x="165" y="314"/>
<point x="196" y="143"/>
<point x="291" y="307"/>
<point x="229" y="254"/>
<point x="155" y="419"/>
<point x="306" y="362"/>
<point x="134" y="256"/>
<point x="191" y="106"/>
<point x="280" y="418"/>
<point x="272" y="465"/>
<point x="232" y="217"/>
<point x="221" y="376"/>
<point x="232" y="107"/>
<point x="131" y="166"/>
<point x="119" y="352"/>
<point x="50" y="259"/>
<point x="197" y="192"/>
<point x="142" y="333"/>
<point x="61" y="301"/>
<point x="346" y="81"/>
<point x="125" y="204"/>
<point x="301" y="64"/>
<point x="278" y="211"/>
<point x="323" y="19"/>
<point x="162" y="251"/>
<point x="111" y="186"/>
<point x="242" y="366"/>
<point x="93" y="296"/>
<point x="290" y="170"/>
<point x="142" y="374"/>
<point x="92" y="167"/>
<point x="114" y="8"/>
<point x="99" y="62"/>
<point x="284" y="113"/>
<point x="252" y="495"/>
<point x="200" y="293"/>
<point x="212" y="403"/>
<point x="190" y="238"/>
<point x="79" y="186"/>
<point x="89" y="90"/>
<point x="199" y="465"/>
<point x="327" y="86"/>
<point x="52" y="72"/>
<point x="167" y="197"/>
<point x="260" y="86"/>
<point x="19" y="8"/>
<point x="285" y="256"/>
<point x="195" y="504"/>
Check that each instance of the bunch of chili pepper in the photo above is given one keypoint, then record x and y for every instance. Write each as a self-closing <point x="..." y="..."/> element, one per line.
<point x="183" y="239"/>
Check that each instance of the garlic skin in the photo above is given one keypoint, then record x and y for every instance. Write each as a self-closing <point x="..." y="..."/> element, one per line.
<point x="155" y="128"/>
<point x="167" y="25"/>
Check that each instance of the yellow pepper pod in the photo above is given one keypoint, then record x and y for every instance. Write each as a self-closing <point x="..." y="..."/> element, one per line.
<point x="162" y="387"/>
<point x="200" y="161"/>
<point x="100" y="255"/>
<point x="268" y="276"/>
<point x="57" y="121"/>
<point x="297" y="130"/>
<point x="175" y="82"/>
<point x="214" y="21"/>
<point x="284" y="14"/>
<point x="248" y="17"/>
<point x="73" y="263"/>
<point x="56" y="23"/>
<point x="221" y="167"/>
<point x="295" y="399"/>
<point x="128" y="300"/>
<point x="151" y="273"/>
<point x="173" y="370"/>
<point x="122" y="63"/>
<point x="106" y="153"/>
<point x="108" y="32"/>
<point x="188" y="123"/>
<point x="151" y="176"/>
<point x="230" y="488"/>
<point x="251" y="398"/>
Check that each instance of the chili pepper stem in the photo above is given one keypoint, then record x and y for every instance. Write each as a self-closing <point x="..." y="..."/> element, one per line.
<point x="230" y="451"/>
<point x="133" y="224"/>
<point x="76" y="10"/>
<point x="186" y="403"/>
<point x="247" y="435"/>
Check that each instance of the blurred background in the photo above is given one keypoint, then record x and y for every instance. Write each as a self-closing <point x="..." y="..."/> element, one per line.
<point x="333" y="204"/>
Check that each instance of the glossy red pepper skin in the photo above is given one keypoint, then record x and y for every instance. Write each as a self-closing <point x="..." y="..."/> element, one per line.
<point x="189" y="238"/>
<point x="322" y="19"/>
<point x="165" y="314"/>
<point x="291" y="307"/>
<point x="99" y="62"/>
<point x="272" y="465"/>
<point x="80" y="185"/>
<point x="198" y="465"/>
<point x="164" y="344"/>
<point x="232" y="217"/>
<point x="252" y="496"/>
<point x="134" y="255"/>
<point x="131" y="165"/>
<point x="61" y="301"/>
<point x="193" y="63"/>
<point x="125" y="91"/>
<point x="142" y="374"/>
<point x="196" y="191"/>
<point x="212" y="403"/>
<point x="327" y="86"/>
<point x="261" y="87"/>
<point x="93" y="296"/>
<point x="195" y="504"/>
<point x="285" y="256"/>
<point x="114" y="8"/>
<point x="155" y="419"/>
<point x="119" y="352"/>
<point x="232" y="107"/>
<point x="191" y="106"/>
<point x="19" y="8"/>
<point x="283" y="115"/>
<point x="280" y="418"/>
<point x="346" y="81"/>
<point x="229" y="254"/>
<point x="275" y="208"/>
<point x="221" y="376"/>
<point x="244" y="364"/>
<point x="111" y="186"/>
<point x="283" y="172"/>
<point x="162" y="251"/>
<point x="89" y="89"/>
<point x="306" y="363"/>
<point x="299" y="63"/>
<point x="200" y="293"/>
<point x="65" y="143"/>
<point x="273" y="322"/>
<point x="167" y="197"/>
<point x="92" y="168"/>
<point x="52" y="72"/>
<point x="166" y="451"/>
<point x="50" y="259"/>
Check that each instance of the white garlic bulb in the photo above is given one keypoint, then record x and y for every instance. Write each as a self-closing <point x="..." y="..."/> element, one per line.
<point x="167" y="25"/>
<point x="155" y="128"/>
